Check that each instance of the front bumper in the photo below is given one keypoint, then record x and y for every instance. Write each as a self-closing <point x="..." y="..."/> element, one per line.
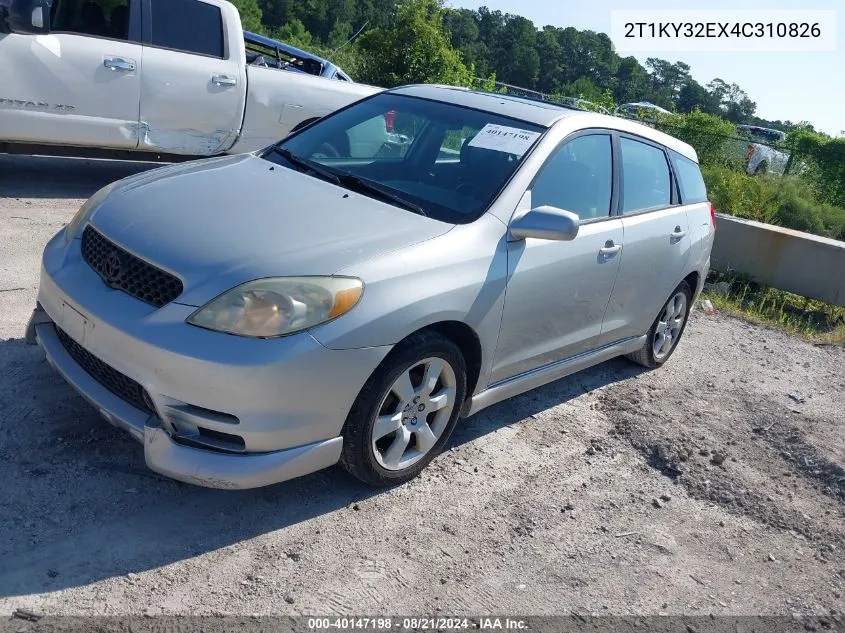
<point x="283" y="400"/>
<point x="164" y="455"/>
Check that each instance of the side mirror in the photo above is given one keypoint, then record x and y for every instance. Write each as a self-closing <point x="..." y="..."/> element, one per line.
<point x="545" y="223"/>
<point x="30" y="17"/>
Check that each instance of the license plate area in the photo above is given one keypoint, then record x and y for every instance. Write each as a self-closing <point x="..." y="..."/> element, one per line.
<point x="74" y="323"/>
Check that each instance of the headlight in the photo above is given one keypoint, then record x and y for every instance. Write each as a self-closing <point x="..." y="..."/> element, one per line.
<point x="279" y="306"/>
<point x="86" y="210"/>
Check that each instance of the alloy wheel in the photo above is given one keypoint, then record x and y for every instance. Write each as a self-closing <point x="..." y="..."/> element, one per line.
<point x="669" y="325"/>
<point x="414" y="413"/>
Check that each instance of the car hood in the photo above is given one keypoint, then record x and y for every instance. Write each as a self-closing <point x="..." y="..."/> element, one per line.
<point x="221" y="222"/>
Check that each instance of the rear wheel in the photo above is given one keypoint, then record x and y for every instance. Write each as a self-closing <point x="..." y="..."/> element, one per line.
<point x="406" y="411"/>
<point x="666" y="330"/>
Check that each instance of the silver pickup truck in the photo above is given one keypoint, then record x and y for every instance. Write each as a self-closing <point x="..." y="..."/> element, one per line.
<point x="763" y="158"/>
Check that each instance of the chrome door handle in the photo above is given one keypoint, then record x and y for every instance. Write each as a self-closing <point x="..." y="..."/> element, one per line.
<point x="118" y="63"/>
<point x="224" y="80"/>
<point x="610" y="248"/>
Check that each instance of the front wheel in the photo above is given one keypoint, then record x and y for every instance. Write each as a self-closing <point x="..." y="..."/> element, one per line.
<point x="406" y="411"/>
<point x="666" y="331"/>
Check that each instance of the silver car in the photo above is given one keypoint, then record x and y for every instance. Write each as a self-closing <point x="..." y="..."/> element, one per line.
<point x="254" y="318"/>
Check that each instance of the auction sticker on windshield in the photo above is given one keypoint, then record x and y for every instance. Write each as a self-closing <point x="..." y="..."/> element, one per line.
<point x="502" y="138"/>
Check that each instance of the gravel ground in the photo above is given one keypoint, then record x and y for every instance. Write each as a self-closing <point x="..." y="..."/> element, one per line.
<point x="713" y="485"/>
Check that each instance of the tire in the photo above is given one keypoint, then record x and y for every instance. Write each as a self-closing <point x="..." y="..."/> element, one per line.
<point x="762" y="168"/>
<point x="374" y="454"/>
<point x="647" y="355"/>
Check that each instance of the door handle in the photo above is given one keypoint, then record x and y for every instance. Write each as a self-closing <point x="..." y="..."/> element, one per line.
<point x="118" y="63"/>
<point x="224" y="80"/>
<point x="610" y="248"/>
<point x="677" y="233"/>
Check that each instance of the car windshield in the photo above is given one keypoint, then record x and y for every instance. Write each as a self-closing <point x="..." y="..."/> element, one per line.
<point x="443" y="160"/>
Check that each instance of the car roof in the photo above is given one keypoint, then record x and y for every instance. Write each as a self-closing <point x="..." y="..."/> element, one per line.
<point x="758" y="128"/>
<point x="647" y="105"/>
<point x="541" y="112"/>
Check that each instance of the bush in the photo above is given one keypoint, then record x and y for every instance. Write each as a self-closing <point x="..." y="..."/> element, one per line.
<point x="416" y="49"/>
<point x="826" y="159"/>
<point x="786" y="201"/>
<point x="710" y="135"/>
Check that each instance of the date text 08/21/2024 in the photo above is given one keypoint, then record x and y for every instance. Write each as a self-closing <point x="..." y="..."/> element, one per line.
<point x="415" y="623"/>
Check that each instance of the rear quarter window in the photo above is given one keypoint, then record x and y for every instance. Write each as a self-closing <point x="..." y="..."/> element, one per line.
<point x="689" y="178"/>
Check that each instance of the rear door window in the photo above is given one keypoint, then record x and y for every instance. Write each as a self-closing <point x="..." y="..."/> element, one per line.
<point x="689" y="178"/>
<point x="646" y="181"/>
<point x="189" y="26"/>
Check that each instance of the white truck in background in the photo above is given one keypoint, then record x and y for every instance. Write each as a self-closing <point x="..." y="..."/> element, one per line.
<point x="172" y="77"/>
<point x="761" y="157"/>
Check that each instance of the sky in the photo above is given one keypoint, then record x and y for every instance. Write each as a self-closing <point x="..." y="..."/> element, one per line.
<point x="807" y="86"/>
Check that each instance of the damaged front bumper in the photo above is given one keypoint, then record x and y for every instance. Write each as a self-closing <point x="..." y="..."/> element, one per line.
<point x="162" y="453"/>
<point x="211" y="409"/>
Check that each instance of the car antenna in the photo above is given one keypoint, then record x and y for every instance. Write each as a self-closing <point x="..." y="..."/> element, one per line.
<point x="349" y="41"/>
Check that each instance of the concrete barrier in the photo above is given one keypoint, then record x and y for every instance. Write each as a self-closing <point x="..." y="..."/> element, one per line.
<point x="807" y="265"/>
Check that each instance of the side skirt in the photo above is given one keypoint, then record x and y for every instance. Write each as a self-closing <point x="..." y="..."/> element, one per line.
<point x="534" y="378"/>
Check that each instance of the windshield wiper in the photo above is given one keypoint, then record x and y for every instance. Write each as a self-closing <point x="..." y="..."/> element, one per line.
<point x="362" y="185"/>
<point x="307" y="165"/>
<point x="350" y="181"/>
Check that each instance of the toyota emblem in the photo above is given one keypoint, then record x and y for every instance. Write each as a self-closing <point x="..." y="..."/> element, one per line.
<point x="113" y="270"/>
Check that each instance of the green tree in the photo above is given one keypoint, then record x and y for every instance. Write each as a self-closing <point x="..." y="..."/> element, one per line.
<point x="581" y="88"/>
<point x="251" y="16"/>
<point x="516" y="59"/>
<point x="415" y="50"/>
<point x="666" y="80"/>
<point x="295" y="34"/>
<point x="631" y="81"/>
<point x="464" y="36"/>
<point x="277" y="12"/>
<point x="693" y="95"/>
<point x="552" y="60"/>
<point x="710" y="135"/>
<point x="732" y="100"/>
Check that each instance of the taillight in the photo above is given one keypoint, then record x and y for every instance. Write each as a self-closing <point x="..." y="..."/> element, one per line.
<point x="713" y="216"/>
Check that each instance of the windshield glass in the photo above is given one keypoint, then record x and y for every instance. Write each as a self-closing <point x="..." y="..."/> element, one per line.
<point x="444" y="160"/>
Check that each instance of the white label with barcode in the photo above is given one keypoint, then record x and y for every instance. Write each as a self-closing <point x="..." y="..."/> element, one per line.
<point x="502" y="138"/>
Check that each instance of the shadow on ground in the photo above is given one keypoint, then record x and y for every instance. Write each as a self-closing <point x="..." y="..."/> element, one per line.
<point x="83" y="507"/>
<point x="50" y="177"/>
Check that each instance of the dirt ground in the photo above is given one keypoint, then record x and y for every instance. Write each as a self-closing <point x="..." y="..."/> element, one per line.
<point x="713" y="485"/>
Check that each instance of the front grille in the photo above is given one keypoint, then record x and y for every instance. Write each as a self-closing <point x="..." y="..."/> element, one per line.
<point x="121" y="386"/>
<point x="120" y="269"/>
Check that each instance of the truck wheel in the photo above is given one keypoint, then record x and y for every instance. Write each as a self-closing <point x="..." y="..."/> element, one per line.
<point x="666" y="331"/>
<point x="762" y="168"/>
<point x="406" y="411"/>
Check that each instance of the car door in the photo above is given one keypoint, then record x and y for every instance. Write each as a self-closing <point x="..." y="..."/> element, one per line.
<point x="80" y="83"/>
<point x="193" y="89"/>
<point x="557" y="292"/>
<point x="657" y="240"/>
